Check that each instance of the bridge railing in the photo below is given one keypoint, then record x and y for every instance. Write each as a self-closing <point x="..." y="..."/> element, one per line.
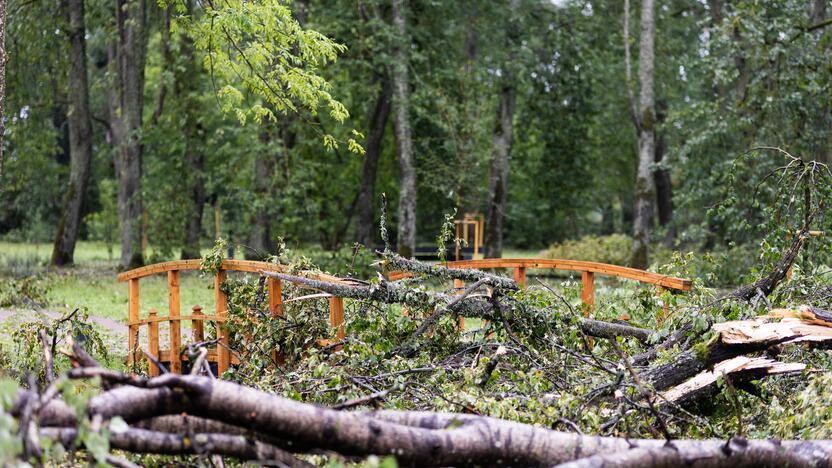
<point x="222" y="354"/>
<point x="588" y="271"/>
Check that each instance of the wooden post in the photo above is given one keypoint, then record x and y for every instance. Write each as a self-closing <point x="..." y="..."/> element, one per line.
<point x="153" y="342"/>
<point x="459" y="285"/>
<point x="197" y="326"/>
<point x="275" y="297"/>
<point x="465" y="233"/>
<point x="588" y="291"/>
<point x="520" y="277"/>
<point x="476" y="240"/>
<point x="276" y="308"/>
<point x="175" y="323"/>
<point x="336" y="315"/>
<point x="482" y="229"/>
<point x="132" y="316"/>
<point x="456" y="240"/>
<point x="223" y="352"/>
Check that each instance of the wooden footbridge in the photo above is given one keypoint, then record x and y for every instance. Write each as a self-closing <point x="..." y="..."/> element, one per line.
<point x="222" y="354"/>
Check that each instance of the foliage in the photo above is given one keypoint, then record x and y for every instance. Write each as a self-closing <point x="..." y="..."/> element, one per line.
<point x="612" y="249"/>
<point x="25" y="355"/>
<point x="25" y="291"/>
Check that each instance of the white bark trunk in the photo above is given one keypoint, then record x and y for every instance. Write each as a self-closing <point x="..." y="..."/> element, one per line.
<point x="645" y="188"/>
<point x="404" y="141"/>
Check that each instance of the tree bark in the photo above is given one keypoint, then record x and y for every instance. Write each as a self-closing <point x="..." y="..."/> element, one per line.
<point x="406" y="239"/>
<point x="501" y="153"/>
<point x="664" y="186"/>
<point x="186" y="80"/>
<point x="416" y="438"/>
<point x="80" y="137"/>
<point x="127" y="58"/>
<point x="379" y="113"/>
<point x="645" y="188"/>
<point x="3" y="58"/>
<point x="260" y="243"/>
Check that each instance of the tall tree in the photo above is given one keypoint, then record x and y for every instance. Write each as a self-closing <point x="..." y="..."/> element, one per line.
<point x="645" y="123"/>
<point x="661" y="176"/>
<point x="260" y="243"/>
<point x="80" y="137"/>
<point x="2" y="78"/>
<point x="401" y="125"/>
<point x="379" y="112"/>
<point x="186" y="88"/>
<point x="127" y="54"/>
<point x="502" y="140"/>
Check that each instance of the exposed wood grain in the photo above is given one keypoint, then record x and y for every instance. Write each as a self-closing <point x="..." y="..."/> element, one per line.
<point x="336" y="315"/>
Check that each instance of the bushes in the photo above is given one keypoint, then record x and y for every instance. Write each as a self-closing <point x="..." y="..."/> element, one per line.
<point x="613" y="249"/>
<point x="23" y="291"/>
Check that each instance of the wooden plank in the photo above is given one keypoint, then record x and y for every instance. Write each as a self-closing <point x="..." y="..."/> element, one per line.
<point x="520" y="277"/>
<point x="197" y="325"/>
<point x="276" y="309"/>
<point x="223" y="352"/>
<point x="588" y="291"/>
<point x="577" y="265"/>
<point x="175" y="324"/>
<point x="132" y="316"/>
<point x="164" y="355"/>
<point x="336" y="315"/>
<point x="203" y="317"/>
<point x="153" y="343"/>
<point x="275" y="297"/>
<point x="148" y="270"/>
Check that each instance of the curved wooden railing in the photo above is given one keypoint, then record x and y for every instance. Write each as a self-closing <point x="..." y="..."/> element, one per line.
<point x="587" y="269"/>
<point x="222" y="354"/>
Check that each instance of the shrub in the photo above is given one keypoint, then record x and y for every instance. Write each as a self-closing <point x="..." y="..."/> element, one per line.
<point x="613" y="249"/>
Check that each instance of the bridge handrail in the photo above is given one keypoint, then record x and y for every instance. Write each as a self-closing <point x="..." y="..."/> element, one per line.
<point x="665" y="281"/>
<point x="222" y="355"/>
<point x="247" y="266"/>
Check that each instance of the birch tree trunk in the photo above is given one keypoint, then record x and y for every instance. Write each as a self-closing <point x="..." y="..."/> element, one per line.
<point x="498" y="181"/>
<point x="406" y="238"/>
<point x="127" y="54"/>
<point x="2" y="79"/>
<point x="379" y="114"/>
<point x="80" y="137"/>
<point x="645" y="188"/>
<point x="502" y="140"/>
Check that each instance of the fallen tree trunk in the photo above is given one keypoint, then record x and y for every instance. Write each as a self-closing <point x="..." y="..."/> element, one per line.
<point x="476" y="306"/>
<point x="414" y="438"/>
<point x="397" y="262"/>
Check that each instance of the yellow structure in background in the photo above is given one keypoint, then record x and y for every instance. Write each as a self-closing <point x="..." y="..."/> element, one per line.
<point x="470" y="220"/>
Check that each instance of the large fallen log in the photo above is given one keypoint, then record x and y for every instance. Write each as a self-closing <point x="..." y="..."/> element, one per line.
<point x="414" y="438"/>
<point x="741" y="337"/>
<point x="473" y="305"/>
<point x="740" y="368"/>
